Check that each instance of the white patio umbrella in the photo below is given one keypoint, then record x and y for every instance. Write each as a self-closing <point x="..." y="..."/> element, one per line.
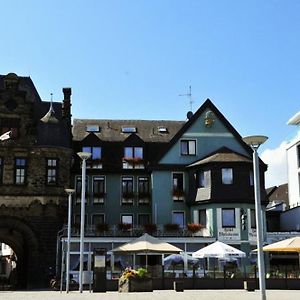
<point x="146" y="244"/>
<point x="219" y="250"/>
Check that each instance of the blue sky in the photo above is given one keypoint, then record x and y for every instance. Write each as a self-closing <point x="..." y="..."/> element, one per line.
<point x="131" y="59"/>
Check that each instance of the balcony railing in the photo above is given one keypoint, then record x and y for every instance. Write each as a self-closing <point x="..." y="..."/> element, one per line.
<point x="134" y="231"/>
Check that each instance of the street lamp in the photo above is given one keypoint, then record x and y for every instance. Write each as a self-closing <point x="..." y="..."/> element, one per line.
<point x="84" y="156"/>
<point x="254" y="142"/>
<point x="69" y="192"/>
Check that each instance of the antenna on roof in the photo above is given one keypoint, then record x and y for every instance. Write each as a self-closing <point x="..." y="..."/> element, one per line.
<point x="189" y="95"/>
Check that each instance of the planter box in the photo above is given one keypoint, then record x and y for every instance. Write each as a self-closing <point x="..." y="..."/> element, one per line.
<point x="249" y="285"/>
<point x="135" y="285"/>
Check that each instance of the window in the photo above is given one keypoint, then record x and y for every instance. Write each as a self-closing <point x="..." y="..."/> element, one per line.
<point x="143" y="219"/>
<point x="178" y="218"/>
<point x="227" y="176"/>
<point x="51" y="170"/>
<point x="251" y="178"/>
<point x="204" y="179"/>
<point x="162" y="129"/>
<point x="252" y="218"/>
<point x="129" y="129"/>
<point x="77" y="221"/>
<point x="20" y="170"/>
<point x="298" y="154"/>
<point x="12" y="125"/>
<point x="178" y="188"/>
<point x="228" y="217"/>
<point x="188" y="147"/>
<point x="78" y="185"/>
<point x="92" y="128"/>
<point x="143" y="190"/>
<point x="127" y="219"/>
<point x="95" y="161"/>
<point x="202" y="217"/>
<point x="98" y="219"/>
<point x="1" y="170"/>
<point x="98" y="189"/>
<point x="133" y="158"/>
<point x="127" y="190"/>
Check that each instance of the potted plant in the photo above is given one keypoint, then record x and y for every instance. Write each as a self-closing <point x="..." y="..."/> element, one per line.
<point x="150" y="228"/>
<point x="135" y="281"/>
<point x="171" y="227"/>
<point x="194" y="227"/>
<point x="124" y="226"/>
<point x="102" y="227"/>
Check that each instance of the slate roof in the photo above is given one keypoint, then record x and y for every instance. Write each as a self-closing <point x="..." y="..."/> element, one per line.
<point x="25" y="84"/>
<point x="111" y="130"/>
<point x="220" y="156"/>
<point x="278" y="193"/>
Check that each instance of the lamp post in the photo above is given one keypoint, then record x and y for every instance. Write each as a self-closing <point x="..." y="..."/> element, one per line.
<point x="254" y="142"/>
<point x="70" y="193"/>
<point x="84" y="156"/>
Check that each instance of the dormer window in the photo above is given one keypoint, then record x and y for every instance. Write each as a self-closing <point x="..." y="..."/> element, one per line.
<point x="95" y="162"/>
<point x="133" y="158"/>
<point x="92" y="128"/>
<point x="162" y="129"/>
<point x="129" y="129"/>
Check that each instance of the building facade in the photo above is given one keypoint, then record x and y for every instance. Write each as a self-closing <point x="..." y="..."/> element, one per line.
<point x="167" y="176"/>
<point x="34" y="171"/>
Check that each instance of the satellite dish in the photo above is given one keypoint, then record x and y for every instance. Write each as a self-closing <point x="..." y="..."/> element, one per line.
<point x="189" y="114"/>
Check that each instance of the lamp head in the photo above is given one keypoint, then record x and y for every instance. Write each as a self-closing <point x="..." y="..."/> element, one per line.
<point x="84" y="155"/>
<point x="69" y="191"/>
<point x="254" y="141"/>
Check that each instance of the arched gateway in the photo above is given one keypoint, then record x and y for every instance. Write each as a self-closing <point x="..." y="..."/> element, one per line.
<point x="24" y="242"/>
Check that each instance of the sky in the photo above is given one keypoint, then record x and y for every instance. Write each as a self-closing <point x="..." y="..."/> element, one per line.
<point x="131" y="59"/>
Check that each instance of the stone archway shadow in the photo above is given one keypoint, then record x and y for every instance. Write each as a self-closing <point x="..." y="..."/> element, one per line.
<point x="21" y="238"/>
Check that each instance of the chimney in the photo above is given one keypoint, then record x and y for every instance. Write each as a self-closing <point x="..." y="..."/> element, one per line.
<point x="66" y="106"/>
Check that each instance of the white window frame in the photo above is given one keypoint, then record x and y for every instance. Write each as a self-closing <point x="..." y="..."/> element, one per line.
<point x="227" y="180"/>
<point x="188" y="140"/>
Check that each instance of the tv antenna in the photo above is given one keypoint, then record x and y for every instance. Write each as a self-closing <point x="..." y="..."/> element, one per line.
<point x="189" y="95"/>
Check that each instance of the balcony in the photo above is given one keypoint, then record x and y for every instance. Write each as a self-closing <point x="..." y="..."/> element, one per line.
<point x="105" y="230"/>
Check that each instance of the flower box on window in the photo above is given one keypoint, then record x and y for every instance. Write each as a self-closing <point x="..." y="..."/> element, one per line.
<point x="124" y="226"/>
<point x="102" y="227"/>
<point x="178" y="193"/>
<point x="150" y="228"/>
<point x="135" y="160"/>
<point x="171" y="227"/>
<point x="194" y="227"/>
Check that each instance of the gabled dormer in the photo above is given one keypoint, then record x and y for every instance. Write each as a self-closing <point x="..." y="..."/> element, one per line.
<point x="93" y="144"/>
<point x="134" y="154"/>
<point x="206" y="131"/>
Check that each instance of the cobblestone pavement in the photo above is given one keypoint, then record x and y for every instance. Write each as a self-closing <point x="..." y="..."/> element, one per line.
<point x="155" y="295"/>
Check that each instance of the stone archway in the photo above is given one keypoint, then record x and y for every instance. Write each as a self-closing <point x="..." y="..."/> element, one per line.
<point x="21" y="238"/>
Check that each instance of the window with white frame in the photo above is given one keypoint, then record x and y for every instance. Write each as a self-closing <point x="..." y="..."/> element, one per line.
<point x="98" y="219"/>
<point x="20" y="170"/>
<point x="143" y="190"/>
<point x="78" y="185"/>
<point x="98" y="189"/>
<point x="204" y="179"/>
<point x="228" y="217"/>
<point x="127" y="219"/>
<point x="298" y="155"/>
<point x="188" y="147"/>
<point x="127" y="190"/>
<point x="144" y="219"/>
<point x="227" y="176"/>
<point x="52" y="170"/>
<point x="178" y="218"/>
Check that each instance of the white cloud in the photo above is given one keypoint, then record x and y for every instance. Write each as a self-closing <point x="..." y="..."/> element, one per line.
<point x="277" y="165"/>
